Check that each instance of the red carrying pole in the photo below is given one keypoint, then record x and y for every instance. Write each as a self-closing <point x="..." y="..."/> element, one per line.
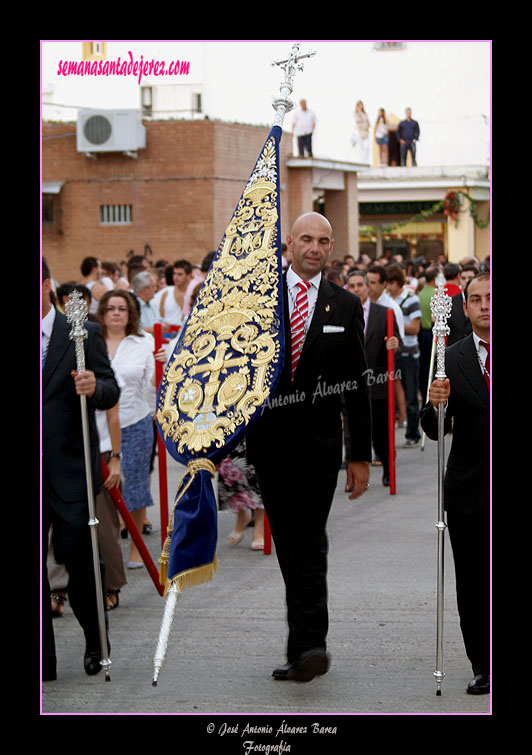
<point x="161" y="449"/>
<point x="120" y="504"/>
<point x="267" y="535"/>
<point x="391" y="400"/>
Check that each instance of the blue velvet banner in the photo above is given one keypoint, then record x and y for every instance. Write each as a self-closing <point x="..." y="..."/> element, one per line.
<point x="225" y="365"/>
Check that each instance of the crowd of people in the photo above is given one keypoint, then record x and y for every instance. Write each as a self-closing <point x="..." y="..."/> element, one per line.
<point x="128" y="303"/>
<point x="407" y="286"/>
<point x="394" y="140"/>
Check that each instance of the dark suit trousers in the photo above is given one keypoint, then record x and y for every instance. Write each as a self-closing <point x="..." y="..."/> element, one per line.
<point x="470" y="542"/>
<point x="379" y="433"/>
<point x="408" y="367"/>
<point x="297" y="510"/>
<point x="379" y="417"/>
<point x="73" y="548"/>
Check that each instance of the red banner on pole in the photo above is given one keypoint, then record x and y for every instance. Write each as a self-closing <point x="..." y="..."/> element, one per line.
<point x="120" y="504"/>
<point x="391" y="400"/>
<point x="161" y="450"/>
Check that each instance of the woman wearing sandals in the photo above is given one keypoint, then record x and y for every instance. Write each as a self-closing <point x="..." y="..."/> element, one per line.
<point x="131" y="355"/>
<point x="238" y="491"/>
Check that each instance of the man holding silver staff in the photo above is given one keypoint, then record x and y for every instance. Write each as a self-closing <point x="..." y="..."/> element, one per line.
<point x="64" y="487"/>
<point x="466" y="395"/>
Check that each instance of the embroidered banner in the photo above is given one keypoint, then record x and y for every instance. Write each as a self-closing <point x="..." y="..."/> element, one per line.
<point x="226" y="363"/>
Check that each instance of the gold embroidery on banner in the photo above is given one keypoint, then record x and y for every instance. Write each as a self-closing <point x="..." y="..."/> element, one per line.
<point x="230" y="346"/>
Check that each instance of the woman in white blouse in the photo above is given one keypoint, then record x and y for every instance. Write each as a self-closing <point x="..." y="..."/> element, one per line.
<point x="131" y="354"/>
<point x="360" y="137"/>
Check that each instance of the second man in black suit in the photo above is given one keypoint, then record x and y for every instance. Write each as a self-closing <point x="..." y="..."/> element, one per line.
<point x="466" y="396"/>
<point x="64" y="488"/>
<point x="377" y="346"/>
<point x="296" y="446"/>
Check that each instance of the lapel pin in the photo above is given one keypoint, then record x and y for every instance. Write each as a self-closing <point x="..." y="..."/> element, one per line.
<point x="328" y="308"/>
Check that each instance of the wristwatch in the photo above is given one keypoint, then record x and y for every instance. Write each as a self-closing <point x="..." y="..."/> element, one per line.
<point x="115" y="456"/>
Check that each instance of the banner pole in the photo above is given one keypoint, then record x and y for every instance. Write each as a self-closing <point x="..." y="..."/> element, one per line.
<point x="120" y="504"/>
<point x="161" y="449"/>
<point x="267" y="535"/>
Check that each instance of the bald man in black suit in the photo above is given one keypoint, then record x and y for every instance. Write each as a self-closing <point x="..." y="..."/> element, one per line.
<point x="296" y="445"/>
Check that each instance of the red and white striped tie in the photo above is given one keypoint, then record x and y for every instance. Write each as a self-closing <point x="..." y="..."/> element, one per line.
<point x="297" y="324"/>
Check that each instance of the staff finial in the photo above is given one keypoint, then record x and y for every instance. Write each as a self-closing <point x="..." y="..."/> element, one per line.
<point x="76" y="312"/>
<point x="290" y="65"/>
<point x="440" y="305"/>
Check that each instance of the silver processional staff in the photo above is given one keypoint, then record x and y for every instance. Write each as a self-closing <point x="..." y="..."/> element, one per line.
<point x="76" y="314"/>
<point x="440" y="305"/>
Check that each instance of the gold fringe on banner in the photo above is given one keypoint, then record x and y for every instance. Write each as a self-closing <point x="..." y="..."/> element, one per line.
<point x="186" y="579"/>
<point x="193" y="577"/>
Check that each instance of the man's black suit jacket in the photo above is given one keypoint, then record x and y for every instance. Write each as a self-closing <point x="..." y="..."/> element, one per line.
<point x="301" y="424"/>
<point x="467" y="478"/>
<point x="376" y="351"/>
<point x="458" y="322"/>
<point x="63" y="464"/>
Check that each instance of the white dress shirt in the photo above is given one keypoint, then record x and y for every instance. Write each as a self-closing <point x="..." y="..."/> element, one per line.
<point x="388" y="301"/>
<point x="148" y="313"/>
<point x="365" y="310"/>
<point x="47" y="325"/>
<point x="304" y="122"/>
<point x="292" y="279"/>
<point x="103" y="431"/>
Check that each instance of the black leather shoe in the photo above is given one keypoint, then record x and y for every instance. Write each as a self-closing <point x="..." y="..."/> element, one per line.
<point x="92" y="660"/>
<point x="309" y="664"/>
<point x="386" y="480"/>
<point x="480" y="685"/>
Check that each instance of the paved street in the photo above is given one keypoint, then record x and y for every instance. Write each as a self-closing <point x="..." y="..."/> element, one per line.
<point x="228" y="635"/>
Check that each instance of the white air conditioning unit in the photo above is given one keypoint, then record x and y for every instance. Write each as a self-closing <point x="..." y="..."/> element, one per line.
<point x="110" y="131"/>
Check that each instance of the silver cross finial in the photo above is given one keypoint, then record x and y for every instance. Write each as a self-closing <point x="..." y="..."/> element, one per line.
<point x="290" y="65"/>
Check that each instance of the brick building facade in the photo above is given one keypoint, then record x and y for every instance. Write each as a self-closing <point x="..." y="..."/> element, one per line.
<point x="176" y="196"/>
